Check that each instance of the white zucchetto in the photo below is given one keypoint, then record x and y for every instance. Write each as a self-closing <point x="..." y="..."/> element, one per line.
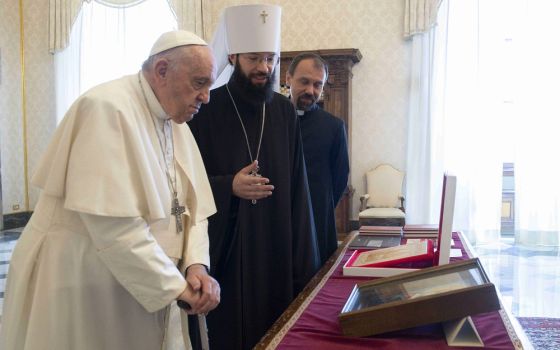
<point x="174" y="39"/>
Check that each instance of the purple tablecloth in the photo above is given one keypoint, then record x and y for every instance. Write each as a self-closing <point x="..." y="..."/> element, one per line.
<point x="315" y="325"/>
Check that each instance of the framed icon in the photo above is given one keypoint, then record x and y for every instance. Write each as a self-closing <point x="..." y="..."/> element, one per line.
<point x="425" y="296"/>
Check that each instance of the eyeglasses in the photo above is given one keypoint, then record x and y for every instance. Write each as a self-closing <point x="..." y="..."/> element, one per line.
<point x="257" y="59"/>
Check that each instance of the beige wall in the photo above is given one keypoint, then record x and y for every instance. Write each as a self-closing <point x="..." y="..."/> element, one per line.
<point x="11" y="147"/>
<point x="380" y="84"/>
<point x="39" y="97"/>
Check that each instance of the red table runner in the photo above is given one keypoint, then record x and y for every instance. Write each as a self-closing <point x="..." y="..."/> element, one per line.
<point x="314" y="324"/>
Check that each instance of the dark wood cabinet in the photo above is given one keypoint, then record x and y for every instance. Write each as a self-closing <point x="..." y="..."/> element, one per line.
<point x="337" y="99"/>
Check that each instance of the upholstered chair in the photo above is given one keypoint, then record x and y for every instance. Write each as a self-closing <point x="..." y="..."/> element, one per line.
<point x="383" y="204"/>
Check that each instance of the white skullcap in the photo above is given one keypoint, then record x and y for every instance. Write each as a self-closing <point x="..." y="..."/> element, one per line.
<point x="242" y="29"/>
<point x="175" y="38"/>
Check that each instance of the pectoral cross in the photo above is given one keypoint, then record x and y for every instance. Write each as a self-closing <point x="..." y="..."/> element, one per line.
<point x="264" y="15"/>
<point x="255" y="173"/>
<point x="177" y="210"/>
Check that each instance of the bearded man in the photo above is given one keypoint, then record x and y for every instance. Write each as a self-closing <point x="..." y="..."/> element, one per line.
<point x="263" y="248"/>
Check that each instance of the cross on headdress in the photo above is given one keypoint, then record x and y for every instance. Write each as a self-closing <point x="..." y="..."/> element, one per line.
<point x="264" y="15"/>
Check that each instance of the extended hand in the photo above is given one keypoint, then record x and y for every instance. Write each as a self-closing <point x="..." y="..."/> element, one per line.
<point x="248" y="186"/>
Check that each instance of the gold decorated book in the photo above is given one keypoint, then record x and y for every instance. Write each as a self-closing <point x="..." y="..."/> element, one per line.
<point x="402" y="255"/>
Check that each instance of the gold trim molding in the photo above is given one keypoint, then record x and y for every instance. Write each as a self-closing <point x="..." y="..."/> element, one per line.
<point x="23" y="104"/>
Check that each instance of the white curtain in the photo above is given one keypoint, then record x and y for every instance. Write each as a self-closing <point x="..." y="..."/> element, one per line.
<point x="422" y="201"/>
<point x="420" y="204"/>
<point x="106" y="43"/>
<point x="495" y="101"/>
<point x="472" y="108"/>
<point x="419" y="16"/>
<point x="63" y="14"/>
<point x="455" y="130"/>
<point x="67" y="72"/>
<point x="193" y="15"/>
<point x="537" y="132"/>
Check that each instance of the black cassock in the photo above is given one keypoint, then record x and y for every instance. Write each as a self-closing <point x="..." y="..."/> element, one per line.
<point x="262" y="254"/>
<point x="326" y="157"/>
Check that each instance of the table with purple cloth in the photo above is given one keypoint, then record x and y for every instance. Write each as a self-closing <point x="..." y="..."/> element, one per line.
<point x="311" y="321"/>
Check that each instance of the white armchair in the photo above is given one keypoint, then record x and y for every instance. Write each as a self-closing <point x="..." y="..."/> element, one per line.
<point x="383" y="204"/>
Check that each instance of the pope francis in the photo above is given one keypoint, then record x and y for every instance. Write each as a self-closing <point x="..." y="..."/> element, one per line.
<point x="120" y="229"/>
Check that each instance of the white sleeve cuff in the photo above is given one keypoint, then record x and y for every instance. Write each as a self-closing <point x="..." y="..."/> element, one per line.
<point x="197" y="251"/>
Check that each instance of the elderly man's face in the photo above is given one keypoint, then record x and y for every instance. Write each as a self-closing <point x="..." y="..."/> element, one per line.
<point x="188" y="84"/>
<point x="306" y="84"/>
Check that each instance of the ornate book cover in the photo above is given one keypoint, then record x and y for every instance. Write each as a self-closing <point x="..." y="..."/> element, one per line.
<point x="419" y="251"/>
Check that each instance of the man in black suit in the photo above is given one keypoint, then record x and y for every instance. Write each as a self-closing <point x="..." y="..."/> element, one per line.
<point x="324" y="146"/>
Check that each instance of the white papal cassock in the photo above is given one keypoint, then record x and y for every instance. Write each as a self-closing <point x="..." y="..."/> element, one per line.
<point x="100" y="261"/>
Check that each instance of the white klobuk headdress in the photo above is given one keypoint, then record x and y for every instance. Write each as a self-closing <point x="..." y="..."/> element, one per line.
<point x="242" y="29"/>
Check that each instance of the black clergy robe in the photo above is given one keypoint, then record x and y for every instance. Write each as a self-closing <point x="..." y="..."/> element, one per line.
<point x="326" y="158"/>
<point x="262" y="254"/>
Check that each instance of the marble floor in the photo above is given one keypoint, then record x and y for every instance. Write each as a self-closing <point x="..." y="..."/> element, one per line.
<point x="8" y="240"/>
<point x="528" y="279"/>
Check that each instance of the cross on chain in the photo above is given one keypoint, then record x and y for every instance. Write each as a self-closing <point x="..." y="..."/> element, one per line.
<point x="177" y="210"/>
<point x="256" y="174"/>
<point x="264" y="15"/>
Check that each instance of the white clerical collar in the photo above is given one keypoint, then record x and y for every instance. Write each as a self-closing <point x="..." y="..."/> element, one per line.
<point x="153" y="102"/>
<point x="300" y="112"/>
